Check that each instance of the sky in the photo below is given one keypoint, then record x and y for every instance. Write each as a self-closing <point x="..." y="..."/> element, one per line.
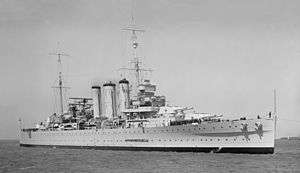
<point x="223" y="57"/>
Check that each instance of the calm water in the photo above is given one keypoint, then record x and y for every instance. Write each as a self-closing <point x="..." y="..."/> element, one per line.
<point x="14" y="158"/>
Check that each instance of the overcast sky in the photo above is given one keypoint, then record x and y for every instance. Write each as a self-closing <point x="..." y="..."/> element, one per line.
<point x="224" y="56"/>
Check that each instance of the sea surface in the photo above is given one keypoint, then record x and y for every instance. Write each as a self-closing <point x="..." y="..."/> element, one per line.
<point x="14" y="158"/>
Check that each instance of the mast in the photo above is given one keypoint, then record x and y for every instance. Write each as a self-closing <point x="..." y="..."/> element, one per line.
<point x="60" y="86"/>
<point x="136" y="60"/>
<point x="60" y="93"/>
<point x="275" y="104"/>
<point x="275" y="112"/>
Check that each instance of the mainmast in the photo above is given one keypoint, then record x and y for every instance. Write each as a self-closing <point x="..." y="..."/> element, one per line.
<point x="275" y="101"/>
<point x="60" y="86"/>
<point x="275" y="112"/>
<point x="136" y="60"/>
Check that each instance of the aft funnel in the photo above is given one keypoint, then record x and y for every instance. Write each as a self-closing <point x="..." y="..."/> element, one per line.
<point x="123" y="94"/>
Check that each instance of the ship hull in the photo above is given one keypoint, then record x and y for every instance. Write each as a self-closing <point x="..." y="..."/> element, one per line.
<point x="219" y="137"/>
<point x="248" y="150"/>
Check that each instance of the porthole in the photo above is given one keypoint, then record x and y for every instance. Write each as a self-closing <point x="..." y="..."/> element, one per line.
<point x="210" y="139"/>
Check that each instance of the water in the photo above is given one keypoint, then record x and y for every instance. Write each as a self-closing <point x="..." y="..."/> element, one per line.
<point x="14" y="158"/>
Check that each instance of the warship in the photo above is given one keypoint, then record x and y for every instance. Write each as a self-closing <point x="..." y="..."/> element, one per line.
<point x="130" y="115"/>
